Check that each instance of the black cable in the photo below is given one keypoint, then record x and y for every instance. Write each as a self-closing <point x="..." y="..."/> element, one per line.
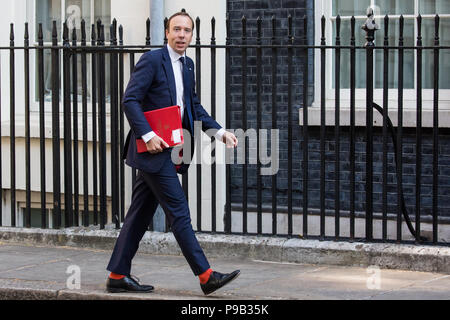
<point x="394" y="142"/>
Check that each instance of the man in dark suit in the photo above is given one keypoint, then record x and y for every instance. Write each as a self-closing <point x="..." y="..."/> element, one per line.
<point x="160" y="79"/>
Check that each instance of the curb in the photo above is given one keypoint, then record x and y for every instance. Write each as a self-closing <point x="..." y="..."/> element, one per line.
<point x="383" y="255"/>
<point x="14" y="292"/>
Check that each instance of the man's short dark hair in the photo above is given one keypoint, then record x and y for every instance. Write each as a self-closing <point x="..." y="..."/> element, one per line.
<point x="181" y="13"/>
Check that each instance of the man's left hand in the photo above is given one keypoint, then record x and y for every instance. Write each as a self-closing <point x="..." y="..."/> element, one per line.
<point x="230" y="139"/>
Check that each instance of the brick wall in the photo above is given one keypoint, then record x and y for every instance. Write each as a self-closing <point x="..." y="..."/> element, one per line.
<point x="298" y="9"/>
<point x="280" y="9"/>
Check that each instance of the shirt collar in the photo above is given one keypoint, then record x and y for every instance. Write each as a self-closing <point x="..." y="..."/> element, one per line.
<point x="174" y="56"/>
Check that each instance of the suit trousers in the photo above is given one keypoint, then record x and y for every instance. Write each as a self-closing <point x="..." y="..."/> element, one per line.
<point x="150" y="189"/>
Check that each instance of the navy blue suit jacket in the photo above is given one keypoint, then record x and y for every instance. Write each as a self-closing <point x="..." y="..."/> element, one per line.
<point x="151" y="87"/>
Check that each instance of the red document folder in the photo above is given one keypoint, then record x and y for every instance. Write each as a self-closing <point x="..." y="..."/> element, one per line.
<point x="166" y="123"/>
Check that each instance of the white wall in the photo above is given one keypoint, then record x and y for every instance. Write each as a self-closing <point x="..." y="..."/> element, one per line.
<point x="205" y="10"/>
<point x="133" y="19"/>
<point x="132" y="16"/>
<point x="12" y="11"/>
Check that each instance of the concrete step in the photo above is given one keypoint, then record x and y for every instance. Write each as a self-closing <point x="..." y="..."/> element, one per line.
<point x="425" y="258"/>
<point x="35" y="271"/>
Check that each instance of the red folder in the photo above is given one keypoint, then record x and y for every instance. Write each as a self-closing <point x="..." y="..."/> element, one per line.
<point x="166" y="123"/>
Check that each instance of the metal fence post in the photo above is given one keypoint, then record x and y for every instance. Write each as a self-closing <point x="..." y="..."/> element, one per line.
<point x="12" y="129"/>
<point x="27" y="220"/>
<point x="56" y="221"/>
<point x="68" y="209"/>
<point x="227" y="215"/>
<point x="370" y="27"/>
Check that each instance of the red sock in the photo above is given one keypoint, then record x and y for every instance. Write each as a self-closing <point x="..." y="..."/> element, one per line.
<point x="204" y="277"/>
<point x="116" y="276"/>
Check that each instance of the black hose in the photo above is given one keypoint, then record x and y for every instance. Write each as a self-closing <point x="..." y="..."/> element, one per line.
<point x="398" y="173"/>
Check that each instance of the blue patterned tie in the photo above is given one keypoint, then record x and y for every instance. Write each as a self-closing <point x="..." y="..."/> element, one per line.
<point x="187" y="119"/>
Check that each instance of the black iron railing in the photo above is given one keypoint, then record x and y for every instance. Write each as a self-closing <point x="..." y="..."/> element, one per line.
<point x="107" y="63"/>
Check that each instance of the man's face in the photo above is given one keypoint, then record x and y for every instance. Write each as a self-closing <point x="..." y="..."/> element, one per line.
<point x="179" y="33"/>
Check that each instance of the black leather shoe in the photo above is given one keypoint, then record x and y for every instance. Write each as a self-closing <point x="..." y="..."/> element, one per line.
<point x="126" y="284"/>
<point x="218" y="280"/>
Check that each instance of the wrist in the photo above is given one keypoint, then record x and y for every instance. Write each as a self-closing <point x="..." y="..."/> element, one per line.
<point x="221" y="134"/>
<point x="148" y="136"/>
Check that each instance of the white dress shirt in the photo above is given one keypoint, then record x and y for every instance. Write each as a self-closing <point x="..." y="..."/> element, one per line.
<point x="177" y="68"/>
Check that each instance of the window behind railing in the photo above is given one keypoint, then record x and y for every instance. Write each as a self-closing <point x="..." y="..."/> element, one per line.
<point x="72" y="12"/>
<point x="409" y="9"/>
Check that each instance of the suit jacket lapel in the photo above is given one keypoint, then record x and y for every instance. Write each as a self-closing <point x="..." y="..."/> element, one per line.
<point x="167" y="65"/>
<point x="188" y="95"/>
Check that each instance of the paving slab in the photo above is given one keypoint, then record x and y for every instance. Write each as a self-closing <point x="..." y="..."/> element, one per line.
<point x="389" y="255"/>
<point x="46" y="272"/>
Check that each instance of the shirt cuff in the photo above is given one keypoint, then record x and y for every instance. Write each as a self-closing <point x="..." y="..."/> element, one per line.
<point x="148" y="136"/>
<point x="219" y="134"/>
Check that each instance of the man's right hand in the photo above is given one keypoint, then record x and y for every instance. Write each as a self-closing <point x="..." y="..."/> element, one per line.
<point x="156" y="145"/>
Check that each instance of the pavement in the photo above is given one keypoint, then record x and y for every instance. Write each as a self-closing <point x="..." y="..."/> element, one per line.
<point x="34" y="271"/>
